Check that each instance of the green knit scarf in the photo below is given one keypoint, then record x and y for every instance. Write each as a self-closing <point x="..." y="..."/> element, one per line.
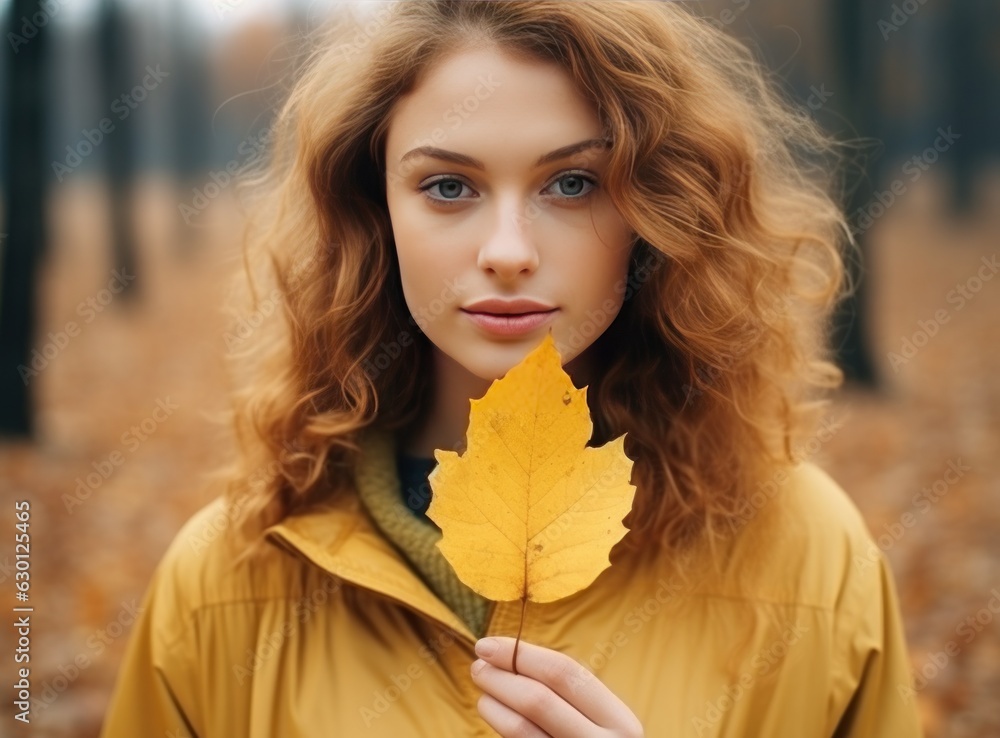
<point x="380" y="492"/>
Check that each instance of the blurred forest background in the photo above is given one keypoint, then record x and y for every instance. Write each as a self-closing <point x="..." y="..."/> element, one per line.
<point x="120" y="121"/>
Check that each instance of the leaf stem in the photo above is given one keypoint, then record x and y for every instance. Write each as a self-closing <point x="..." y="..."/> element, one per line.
<point x="520" y="627"/>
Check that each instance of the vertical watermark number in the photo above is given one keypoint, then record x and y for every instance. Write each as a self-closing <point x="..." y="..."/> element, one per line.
<point x="22" y="611"/>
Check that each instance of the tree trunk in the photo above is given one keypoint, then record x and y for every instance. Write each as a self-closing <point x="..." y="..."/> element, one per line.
<point x="117" y="73"/>
<point x="22" y="245"/>
<point x="858" y="103"/>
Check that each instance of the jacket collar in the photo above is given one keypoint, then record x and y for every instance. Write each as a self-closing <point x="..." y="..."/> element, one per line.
<point x="342" y="539"/>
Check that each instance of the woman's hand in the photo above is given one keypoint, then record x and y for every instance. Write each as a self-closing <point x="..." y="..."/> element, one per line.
<point x="551" y="696"/>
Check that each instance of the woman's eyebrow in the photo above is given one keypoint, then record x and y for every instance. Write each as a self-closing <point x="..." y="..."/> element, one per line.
<point x="457" y="158"/>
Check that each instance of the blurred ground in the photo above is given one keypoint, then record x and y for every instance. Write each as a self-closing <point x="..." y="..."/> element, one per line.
<point x="91" y="561"/>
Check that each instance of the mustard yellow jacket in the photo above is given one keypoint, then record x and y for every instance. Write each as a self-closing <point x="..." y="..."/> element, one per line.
<point x="796" y="635"/>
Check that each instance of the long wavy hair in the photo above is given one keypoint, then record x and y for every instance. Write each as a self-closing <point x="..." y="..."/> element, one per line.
<point x="715" y="368"/>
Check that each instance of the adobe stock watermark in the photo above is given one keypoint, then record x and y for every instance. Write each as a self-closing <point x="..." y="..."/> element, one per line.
<point x="245" y="325"/>
<point x="762" y="664"/>
<point x="364" y="34"/>
<point x="421" y="317"/>
<point x="452" y="292"/>
<point x="769" y="489"/>
<point x="122" y="107"/>
<point x="30" y="25"/>
<point x="535" y="208"/>
<point x="708" y="375"/>
<point x="418" y="497"/>
<point x="225" y="7"/>
<point x="256" y="481"/>
<point x="597" y="320"/>
<point x="633" y="622"/>
<point x="7" y="569"/>
<point x="728" y="16"/>
<point x="967" y="631"/>
<point x="97" y="643"/>
<point x="923" y="501"/>
<point x="250" y="149"/>
<point x="900" y="16"/>
<point x="816" y="101"/>
<point x="219" y="523"/>
<point x="385" y="697"/>
<point x="454" y="117"/>
<point x="962" y="294"/>
<point x="913" y="169"/>
<point x="88" y="310"/>
<point x="272" y="643"/>
<point x="131" y="440"/>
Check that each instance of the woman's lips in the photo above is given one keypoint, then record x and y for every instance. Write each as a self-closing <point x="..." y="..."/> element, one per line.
<point x="510" y="325"/>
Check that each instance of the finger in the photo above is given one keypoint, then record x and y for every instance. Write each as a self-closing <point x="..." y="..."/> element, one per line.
<point x="564" y="676"/>
<point x="532" y="699"/>
<point x="507" y="722"/>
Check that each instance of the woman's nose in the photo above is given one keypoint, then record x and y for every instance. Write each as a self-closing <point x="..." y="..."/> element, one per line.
<point x="508" y="248"/>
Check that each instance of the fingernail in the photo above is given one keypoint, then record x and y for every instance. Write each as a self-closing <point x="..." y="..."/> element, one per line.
<point x="486" y="647"/>
<point x="477" y="666"/>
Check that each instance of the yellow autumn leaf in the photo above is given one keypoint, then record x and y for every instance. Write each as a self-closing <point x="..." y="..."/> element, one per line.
<point x="528" y="511"/>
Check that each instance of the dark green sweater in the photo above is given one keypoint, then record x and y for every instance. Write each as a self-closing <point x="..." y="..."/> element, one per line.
<point x="397" y="501"/>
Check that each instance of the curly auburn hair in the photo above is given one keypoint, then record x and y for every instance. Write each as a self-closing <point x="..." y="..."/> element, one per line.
<point x="715" y="365"/>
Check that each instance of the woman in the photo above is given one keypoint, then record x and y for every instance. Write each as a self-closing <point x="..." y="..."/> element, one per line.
<point x="621" y="174"/>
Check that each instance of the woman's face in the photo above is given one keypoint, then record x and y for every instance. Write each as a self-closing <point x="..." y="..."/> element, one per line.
<point x="490" y="209"/>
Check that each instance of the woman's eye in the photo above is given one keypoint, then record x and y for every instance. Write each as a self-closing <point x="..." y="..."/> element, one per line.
<point x="574" y="186"/>
<point x="448" y="191"/>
